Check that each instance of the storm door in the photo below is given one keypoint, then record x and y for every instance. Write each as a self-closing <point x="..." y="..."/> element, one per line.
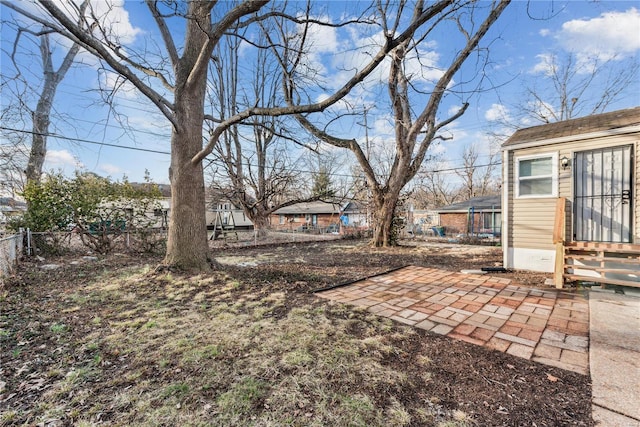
<point x="603" y="195"/>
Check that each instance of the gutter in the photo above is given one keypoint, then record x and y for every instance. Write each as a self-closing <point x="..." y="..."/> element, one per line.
<point x="572" y="138"/>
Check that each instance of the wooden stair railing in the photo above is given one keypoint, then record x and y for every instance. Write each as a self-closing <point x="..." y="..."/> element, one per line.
<point x="606" y="263"/>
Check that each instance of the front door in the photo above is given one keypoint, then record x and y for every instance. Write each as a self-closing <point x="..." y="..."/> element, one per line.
<point x="603" y="195"/>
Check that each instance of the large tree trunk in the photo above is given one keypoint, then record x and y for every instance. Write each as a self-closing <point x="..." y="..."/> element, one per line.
<point x="187" y="245"/>
<point x="260" y="225"/>
<point x="385" y="207"/>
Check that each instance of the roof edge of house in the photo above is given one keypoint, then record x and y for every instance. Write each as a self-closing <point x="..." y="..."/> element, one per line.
<point x="572" y="138"/>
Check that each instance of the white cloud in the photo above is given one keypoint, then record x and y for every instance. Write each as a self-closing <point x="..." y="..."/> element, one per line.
<point x="60" y="159"/>
<point x="497" y="112"/>
<point x="437" y="149"/>
<point x="111" y="81"/>
<point x="110" y="169"/>
<point x="115" y="20"/>
<point x="383" y="126"/>
<point x="545" y="32"/>
<point x="610" y="35"/>
<point x="545" y="65"/>
<point x="321" y="38"/>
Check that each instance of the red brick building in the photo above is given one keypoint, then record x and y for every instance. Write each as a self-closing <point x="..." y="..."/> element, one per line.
<point x="309" y="216"/>
<point x="477" y="216"/>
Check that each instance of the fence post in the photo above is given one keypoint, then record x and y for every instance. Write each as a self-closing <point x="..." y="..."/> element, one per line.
<point x="28" y="242"/>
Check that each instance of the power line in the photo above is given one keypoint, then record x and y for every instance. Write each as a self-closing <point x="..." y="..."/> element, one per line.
<point x="106" y="144"/>
<point x="147" y="150"/>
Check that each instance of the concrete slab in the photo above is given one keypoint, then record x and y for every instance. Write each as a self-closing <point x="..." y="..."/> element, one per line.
<point x="605" y="418"/>
<point x="615" y="357"/>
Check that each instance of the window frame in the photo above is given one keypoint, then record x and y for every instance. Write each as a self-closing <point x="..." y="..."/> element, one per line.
<point x="553" y="175"/>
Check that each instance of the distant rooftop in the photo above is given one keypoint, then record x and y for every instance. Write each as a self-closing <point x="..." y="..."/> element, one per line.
<point x="481" y="203"/>
<point x="310" y="208"/>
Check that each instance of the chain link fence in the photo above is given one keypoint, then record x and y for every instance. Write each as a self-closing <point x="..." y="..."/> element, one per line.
<point x="149" y="240"/>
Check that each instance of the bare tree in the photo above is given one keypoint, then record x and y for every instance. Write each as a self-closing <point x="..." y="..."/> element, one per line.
<point x="415" y="129"/>
<point x="572" y="86"/>
<point x="182" y="96"/>
<point x="14" y="153"/>
<point x="478" y="176"/>
<point x="567" y="86"/>
<point x="12" y="164"/>
<point x="434" y="188"/>
<point x="40" y="116"/>
<point x="42" y="113"/>
<point x="252" y="163"/>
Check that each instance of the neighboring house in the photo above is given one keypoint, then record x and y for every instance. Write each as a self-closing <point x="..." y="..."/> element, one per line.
<point x="307" y="216"/>
<point x="162" y="206"/>
<point x="425" y="219"/>
<point x="355" y="214"/>
<point x="10" y="208"/>
<point x="477" y="216"/>
<point x="227" y="214"/>
<point x="588" y="167"/>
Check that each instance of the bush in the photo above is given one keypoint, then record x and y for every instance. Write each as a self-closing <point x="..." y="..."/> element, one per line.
<point x="100" y="210"/>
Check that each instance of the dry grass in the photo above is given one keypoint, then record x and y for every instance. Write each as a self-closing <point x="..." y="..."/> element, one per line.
<point x="136" y="349"/>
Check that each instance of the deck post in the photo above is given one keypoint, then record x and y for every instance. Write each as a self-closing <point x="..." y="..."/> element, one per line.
<point x="559" y="228"/>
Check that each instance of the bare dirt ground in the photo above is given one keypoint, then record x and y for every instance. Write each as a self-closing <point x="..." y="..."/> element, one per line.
<point x="111" y="342"/>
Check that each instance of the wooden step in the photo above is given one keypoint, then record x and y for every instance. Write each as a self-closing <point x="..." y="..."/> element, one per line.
<point x="627" y="260"/>
<point x="601" y="269"/>
<point x="603" y="247"/>
<point x="577" y="278"/>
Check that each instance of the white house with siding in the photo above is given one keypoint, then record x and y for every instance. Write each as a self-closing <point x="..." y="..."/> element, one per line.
<point x="592" y="165"/>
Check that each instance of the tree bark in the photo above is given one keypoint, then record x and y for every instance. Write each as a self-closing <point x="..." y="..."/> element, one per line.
<point x="385" y="204"/>
<point x="260" y="225"/>
<point x="383" y="225"/>
<point x="187" y="245"/>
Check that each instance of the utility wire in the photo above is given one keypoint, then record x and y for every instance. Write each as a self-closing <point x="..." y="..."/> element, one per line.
<point x="106" y="144"/>
<point x="147" y="150"/>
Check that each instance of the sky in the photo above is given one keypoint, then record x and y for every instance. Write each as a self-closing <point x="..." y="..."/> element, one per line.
<point x="86" y="131"/>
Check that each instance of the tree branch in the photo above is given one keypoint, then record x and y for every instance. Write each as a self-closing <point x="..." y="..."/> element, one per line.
<point x="243" y="9"/>
<point x="86" y="40"/>
<point x="390" y="44"/>
<point x="164" y="32"/>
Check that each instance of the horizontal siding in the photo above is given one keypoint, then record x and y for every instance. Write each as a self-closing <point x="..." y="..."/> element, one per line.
<point x="530" y="221"/>
<point x="533" y="221"/>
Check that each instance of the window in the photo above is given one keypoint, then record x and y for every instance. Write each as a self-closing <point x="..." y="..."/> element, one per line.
<point x="281" y="218"/>
<point x="491" y="222"/>
<point x="536" y="176"/>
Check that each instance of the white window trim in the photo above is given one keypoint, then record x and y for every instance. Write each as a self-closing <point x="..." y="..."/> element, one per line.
<point x="553" y="176"/>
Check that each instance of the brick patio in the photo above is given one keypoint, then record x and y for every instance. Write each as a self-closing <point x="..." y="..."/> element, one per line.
<point x="546" y="326"/>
